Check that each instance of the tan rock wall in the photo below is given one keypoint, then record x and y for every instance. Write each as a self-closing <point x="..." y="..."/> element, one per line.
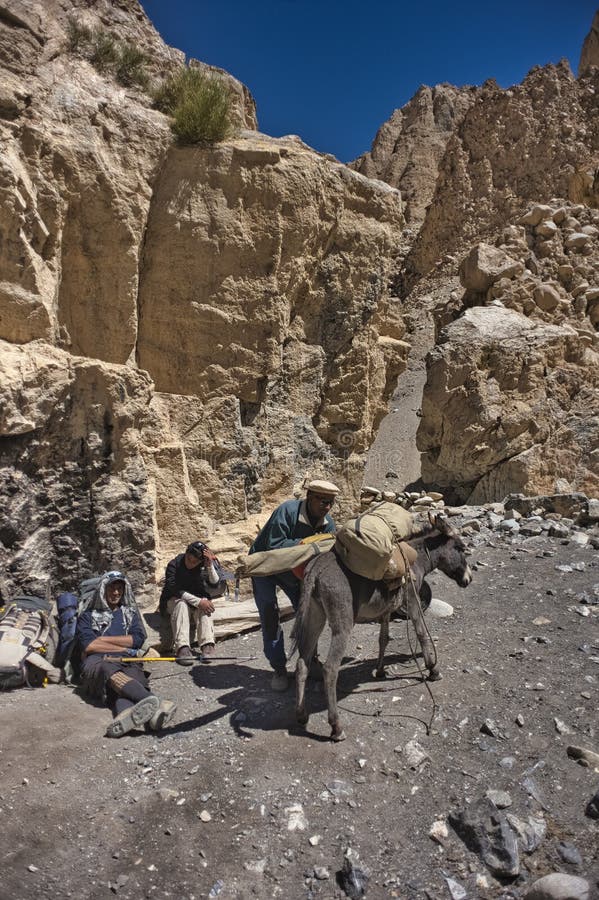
<point x="185" y="333"/>
<point x="263" y="300"/>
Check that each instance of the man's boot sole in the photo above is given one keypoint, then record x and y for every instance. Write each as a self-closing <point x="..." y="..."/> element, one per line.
<point x="163" y="716"/>
<point x="133" y="717"/>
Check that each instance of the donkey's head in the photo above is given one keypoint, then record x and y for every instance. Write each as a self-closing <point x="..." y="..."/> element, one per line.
<point x="449" y="552"/>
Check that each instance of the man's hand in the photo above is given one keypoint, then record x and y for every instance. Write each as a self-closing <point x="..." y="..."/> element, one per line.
<point x="206" y="606"/>
<point x="208" y="555"/>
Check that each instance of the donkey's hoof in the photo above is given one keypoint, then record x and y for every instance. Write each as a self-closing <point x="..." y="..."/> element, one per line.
<point x="337" y="734"/>
<point x="302" y="720"/>
<point x="380" y="673"/>
<point x="434" y="675"/>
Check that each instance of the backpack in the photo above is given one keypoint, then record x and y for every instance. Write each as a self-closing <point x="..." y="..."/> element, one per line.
<point x="221" y="588"/>
<point x="27" y="644"/>
<point x="366" y="544"/>
<point x="68" y="656"/>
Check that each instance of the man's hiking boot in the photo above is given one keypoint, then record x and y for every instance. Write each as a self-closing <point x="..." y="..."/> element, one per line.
<point x="162" y="716"/>
<point x="279" y="681"/>
<point x="185" y="657"/>
<point x="133" y="716"/>
<point x="208" y="651"/>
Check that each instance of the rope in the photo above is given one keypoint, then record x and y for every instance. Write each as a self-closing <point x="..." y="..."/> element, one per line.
<point x="411" y="584"/>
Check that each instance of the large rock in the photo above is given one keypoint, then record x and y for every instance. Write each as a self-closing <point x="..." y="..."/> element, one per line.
<point x="187" y="332"/>
<point x="509" y="407"/>
<point x="485" y="265"/>
<point x="75" y="490"/>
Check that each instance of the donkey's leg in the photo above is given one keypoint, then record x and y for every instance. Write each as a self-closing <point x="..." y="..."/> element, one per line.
<point x="417" y="618"/>
<point x="383" y="641"/>
<point x="330" y="671"/>
<point x="313" y="625"/>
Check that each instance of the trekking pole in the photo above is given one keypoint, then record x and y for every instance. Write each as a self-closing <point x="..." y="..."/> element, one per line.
<point x="145" y="659"/>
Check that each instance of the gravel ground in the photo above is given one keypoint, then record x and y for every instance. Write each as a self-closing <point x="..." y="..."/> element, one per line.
<point x="233" y="799"/>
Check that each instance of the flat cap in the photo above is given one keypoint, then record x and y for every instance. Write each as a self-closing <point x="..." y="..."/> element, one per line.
<point x="323" y="487"/>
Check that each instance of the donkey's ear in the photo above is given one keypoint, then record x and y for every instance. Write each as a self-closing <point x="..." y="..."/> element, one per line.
<point x="442" y="524"/>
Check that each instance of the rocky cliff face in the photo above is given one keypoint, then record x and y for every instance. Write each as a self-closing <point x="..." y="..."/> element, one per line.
<point x="511" y="397"/>
<point x="530" y="143"/>
<point x="185" y="332"/>
<point x="590" y="49"/>
<point x="408" y="148"/>
<point x="512" y="389"/>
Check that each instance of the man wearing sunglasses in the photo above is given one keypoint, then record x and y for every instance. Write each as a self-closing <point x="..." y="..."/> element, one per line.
<point x="290" y="523"/>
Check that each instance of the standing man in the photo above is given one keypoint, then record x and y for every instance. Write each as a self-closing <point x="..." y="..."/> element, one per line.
<point x="184" y="599"/>
<point x="289" y="524"/>
<point x="112" y="629"/>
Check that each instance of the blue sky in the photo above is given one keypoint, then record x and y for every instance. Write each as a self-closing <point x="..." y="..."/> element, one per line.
<point x="334" y="71"/>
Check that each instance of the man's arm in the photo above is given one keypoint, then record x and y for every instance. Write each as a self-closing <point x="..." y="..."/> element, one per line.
<point x="170" y="579"/>
<point x="109" y="644"/>
<point x="280" y="529"/>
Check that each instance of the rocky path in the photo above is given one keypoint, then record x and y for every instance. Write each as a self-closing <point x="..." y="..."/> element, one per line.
<point x="233" y="801"/>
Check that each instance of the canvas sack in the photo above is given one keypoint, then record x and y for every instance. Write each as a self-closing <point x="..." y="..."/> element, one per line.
<point x="366" y="544"/>
<point x="273" y="562"/>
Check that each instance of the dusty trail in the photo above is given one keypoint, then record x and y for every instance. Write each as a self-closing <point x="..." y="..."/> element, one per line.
<point x="84" y="816"/>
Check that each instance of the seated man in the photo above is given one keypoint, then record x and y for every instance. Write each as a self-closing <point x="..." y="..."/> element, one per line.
<point x="110" y="630"/>
<point x="184" y="599"/>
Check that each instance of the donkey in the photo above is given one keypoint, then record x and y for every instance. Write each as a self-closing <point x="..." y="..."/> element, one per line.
<point x="331" y="592"/>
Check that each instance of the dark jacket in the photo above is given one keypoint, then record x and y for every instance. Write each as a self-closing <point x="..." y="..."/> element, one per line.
<point x="179" y="579"/>
<point x="288" y="525"/>
<point x="122" y="621"/>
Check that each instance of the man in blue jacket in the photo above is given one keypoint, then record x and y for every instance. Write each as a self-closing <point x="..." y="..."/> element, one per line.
<point x="289" y="524"/>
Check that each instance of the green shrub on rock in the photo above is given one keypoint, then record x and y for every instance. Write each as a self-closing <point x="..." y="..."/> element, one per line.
<point x="131" y="66"/>
<point x="78" y="36"/>
<point x="104" y="51"/>
<point x="125" y="61"/>
<point x="199" y="104"/>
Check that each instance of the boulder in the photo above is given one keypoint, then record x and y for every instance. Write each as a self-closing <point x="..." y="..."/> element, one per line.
<point x="558" y="886"/>
<point x="485" y="265"/>
<point x="507" y="408"/>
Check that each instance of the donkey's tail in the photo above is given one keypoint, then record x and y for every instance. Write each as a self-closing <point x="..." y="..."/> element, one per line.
<point x="302" y="614"/>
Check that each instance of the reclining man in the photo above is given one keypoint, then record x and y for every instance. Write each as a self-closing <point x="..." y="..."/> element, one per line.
<point x="184" y="599"/>
<point x="111" y="630"/>
<point x="289" y="524"/>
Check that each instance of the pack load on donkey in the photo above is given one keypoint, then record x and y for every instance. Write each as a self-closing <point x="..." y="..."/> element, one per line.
<point x="285" y="559"/>
<point x="27" y="643"/>
<point x="374" y="543"/>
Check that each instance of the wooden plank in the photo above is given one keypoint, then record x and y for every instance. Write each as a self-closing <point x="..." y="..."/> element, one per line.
<point x="232" y="618"/>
